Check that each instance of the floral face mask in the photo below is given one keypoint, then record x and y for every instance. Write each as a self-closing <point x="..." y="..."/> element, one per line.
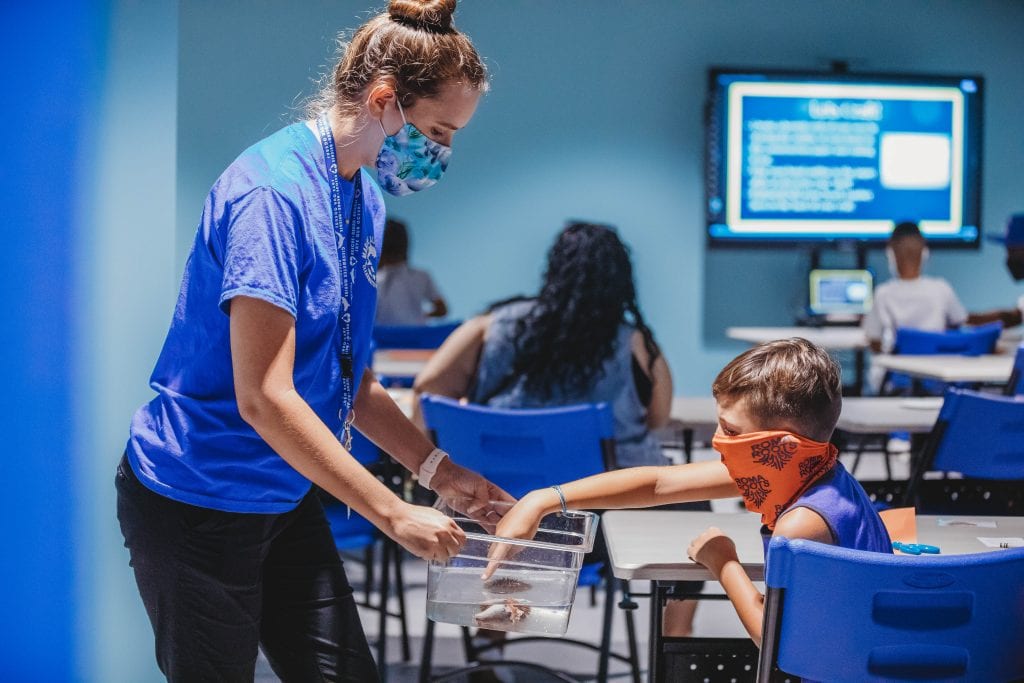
<point x="409" y="161"/>
<point x="772" y="469"/>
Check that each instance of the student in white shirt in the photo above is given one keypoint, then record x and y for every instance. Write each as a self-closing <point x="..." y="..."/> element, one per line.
<point x="1013" y="240"/>
<point x="910" y="299"/>
<point x="405" y="295"/>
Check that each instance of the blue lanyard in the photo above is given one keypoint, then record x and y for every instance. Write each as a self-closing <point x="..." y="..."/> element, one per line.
<point x="348" y="250"/>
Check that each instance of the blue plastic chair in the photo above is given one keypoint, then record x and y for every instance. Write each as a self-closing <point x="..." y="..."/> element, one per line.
<point x="980" y="436"/>
<point x="969" y="341"/>
<point x="522" y="450"/>
<point x="1015" y="385"/>
<point x="412" y="337"/>
<point x="881" y="617"/>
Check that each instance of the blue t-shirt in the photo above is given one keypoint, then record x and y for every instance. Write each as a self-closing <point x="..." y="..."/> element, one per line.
<point x="267" y="233"/>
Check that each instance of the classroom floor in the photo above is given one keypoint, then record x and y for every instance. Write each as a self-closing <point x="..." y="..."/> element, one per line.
<point x="713" y="618"/>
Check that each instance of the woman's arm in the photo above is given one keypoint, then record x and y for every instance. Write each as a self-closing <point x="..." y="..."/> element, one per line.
<point x="383" y="422"/>
<point x="450" y="371"/>
<point x="262" y="358"/>
<point x="661" y="383"/>
<point x="439" y="308"/>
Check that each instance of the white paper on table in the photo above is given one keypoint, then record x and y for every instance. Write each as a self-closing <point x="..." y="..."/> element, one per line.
<point x="1011" y="542"/>
<point x="979" y="523"/>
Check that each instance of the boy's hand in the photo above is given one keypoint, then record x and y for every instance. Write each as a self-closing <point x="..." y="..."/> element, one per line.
<point x="521" y="521"/>
<point x="712" y="549"/>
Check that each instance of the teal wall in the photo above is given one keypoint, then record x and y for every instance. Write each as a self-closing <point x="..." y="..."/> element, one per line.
<point x="596" y="112"/>
<point x="128" y="282"/>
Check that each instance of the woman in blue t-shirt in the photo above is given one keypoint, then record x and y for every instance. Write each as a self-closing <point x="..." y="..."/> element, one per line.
<point x="265" y="367"/>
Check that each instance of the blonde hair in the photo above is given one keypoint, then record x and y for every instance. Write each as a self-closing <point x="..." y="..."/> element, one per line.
<point x="788" y="381"/>
<point x="415" y="44"/>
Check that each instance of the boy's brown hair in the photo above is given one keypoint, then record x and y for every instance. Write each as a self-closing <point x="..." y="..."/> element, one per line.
<point x="789" y="382"/>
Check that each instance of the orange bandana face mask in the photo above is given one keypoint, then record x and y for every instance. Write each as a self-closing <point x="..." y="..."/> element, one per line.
<point x="772" y="469"/>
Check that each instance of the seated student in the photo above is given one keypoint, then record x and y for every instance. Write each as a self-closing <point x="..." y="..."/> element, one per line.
<point x="582" y="339"/>
<point x="404" y="293"/>
<point x="1013" y="240"/>
<point x="910" y="299"/>
<point x="778" y="404"/>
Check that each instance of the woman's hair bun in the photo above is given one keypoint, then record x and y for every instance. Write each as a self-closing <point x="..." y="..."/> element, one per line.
<point x="425" y="15"/>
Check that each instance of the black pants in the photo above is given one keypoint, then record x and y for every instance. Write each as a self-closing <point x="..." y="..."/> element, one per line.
<point x="217" y="585"/>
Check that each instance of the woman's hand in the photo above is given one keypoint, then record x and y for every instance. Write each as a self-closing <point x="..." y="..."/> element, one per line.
<point x="425" y="532"/>
<point x="469" y="493"/>
<point x="522" y="521"/>
<point x="712" y="549"/>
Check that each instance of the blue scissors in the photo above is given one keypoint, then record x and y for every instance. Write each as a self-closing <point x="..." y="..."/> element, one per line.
<point x="915" y="548"/>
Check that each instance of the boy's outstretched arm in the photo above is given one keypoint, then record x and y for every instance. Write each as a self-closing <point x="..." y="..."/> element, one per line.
<point x="717" y="552"/>
<point x="633" y="487"/>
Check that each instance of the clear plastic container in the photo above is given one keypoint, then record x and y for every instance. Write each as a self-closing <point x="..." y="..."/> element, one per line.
<point x="531" y="590"/>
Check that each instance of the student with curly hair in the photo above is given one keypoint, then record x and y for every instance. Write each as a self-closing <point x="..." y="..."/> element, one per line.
<point x="582" y="339"/>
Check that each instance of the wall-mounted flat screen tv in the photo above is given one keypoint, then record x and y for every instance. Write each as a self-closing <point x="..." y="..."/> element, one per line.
<point x="805" y="157"/>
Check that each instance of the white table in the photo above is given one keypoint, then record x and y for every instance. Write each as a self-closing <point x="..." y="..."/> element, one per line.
<point x="400" y="363"/>
<point x="829" y="338"/>
<point x="992" y="369"/>
<point x="861" y="415"/>
<point x="885" y="414"/>
<point x="651" y="545"/>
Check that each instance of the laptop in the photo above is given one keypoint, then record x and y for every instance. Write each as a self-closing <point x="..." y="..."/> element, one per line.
<point x="840" y="296"/>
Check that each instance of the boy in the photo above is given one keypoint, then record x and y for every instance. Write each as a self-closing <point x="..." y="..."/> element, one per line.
<point x="910" y="299"/>
<point x="778" y="404"/>
<point x="404" y="292"/>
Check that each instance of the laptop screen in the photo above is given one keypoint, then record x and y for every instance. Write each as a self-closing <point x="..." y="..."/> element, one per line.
<point x="840" y="291"/>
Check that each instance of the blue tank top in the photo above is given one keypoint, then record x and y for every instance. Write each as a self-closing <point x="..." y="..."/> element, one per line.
<point x="846" y="509"/>
<point x="635" y="445"/>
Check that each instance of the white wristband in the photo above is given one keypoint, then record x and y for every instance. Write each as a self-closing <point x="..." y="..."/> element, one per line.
<point x="429" y="467"/>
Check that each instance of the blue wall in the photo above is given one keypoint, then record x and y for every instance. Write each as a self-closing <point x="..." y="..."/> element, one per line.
<point x="596" y="112"/>
<point x="52" y="58"/>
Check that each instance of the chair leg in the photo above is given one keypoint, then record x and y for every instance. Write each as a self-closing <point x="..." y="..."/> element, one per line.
<point x="368" y="571"/>
<point x="606" y="628"/>
<point x="856" y="459"/>
<point x="385" y="588"/>
<point x="634" y="655"/>
<point x="472" y="655"/>
<point x="427" y="656"/>
<point x="403" y="624"/>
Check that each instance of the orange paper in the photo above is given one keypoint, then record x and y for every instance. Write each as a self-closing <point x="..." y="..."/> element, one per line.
<point x="901" y="523"/>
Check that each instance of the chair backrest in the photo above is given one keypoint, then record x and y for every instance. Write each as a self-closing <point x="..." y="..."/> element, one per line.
<point x="412" y="336"/>
<point x="982" y="435"/>
<point x="1015" y="385"/>
<point x="522" y="450"/>
<point x="892" y="617"/>
<point x="970" y="341"/>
